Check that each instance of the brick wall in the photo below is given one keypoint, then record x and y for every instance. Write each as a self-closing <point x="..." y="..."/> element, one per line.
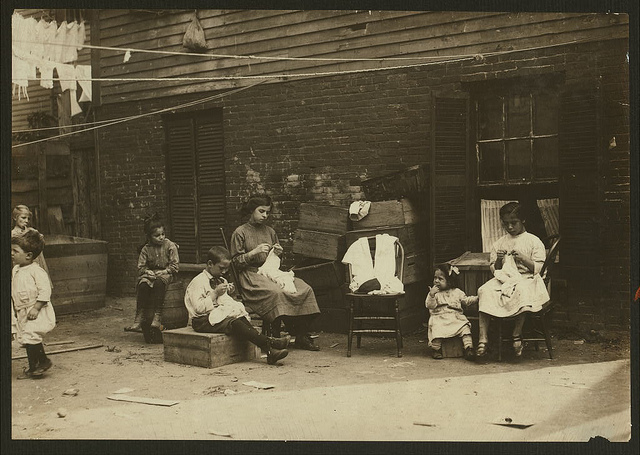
<point x="316" y="139"/>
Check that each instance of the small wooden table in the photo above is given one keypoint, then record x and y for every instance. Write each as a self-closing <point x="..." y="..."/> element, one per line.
<point x="474" y="271"/>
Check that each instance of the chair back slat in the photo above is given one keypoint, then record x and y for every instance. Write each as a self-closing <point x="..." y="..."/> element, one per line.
<point x="545" y="271"/>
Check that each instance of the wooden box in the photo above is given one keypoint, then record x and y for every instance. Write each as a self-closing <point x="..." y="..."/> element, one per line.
<point x="452" y="347"/>
<point x="208" y="350"/>
<point x="411" y="236"/>
<point x="78" y="271"/>
<point x="324" y="218"/>
<point x="388" y="213"/>
<point x="416" y="268"/>
<point x="321" y="245"/>
<point x="327" y="275"/>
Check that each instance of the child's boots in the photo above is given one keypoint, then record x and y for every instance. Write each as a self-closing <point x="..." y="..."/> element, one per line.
<point x="137" y="322"/>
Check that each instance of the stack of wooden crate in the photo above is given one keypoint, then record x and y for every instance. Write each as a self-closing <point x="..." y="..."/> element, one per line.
<point x="320" y="241"/>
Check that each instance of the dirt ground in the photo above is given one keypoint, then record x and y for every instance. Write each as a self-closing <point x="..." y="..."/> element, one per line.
<point x="82" y="380"/>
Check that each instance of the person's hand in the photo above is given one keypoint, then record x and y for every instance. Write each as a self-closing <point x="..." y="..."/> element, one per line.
<point x="33" y="313"/>
<point x="231" y="288"/>
<point x="517" y="256"/>
<point x="277" y="248"/>
<point x="220" y="289"/>
<point x="433" y="290"/>
<point x="150" y="273"/>
<point x="501" y="253"/>
<point x="262" y="248"/>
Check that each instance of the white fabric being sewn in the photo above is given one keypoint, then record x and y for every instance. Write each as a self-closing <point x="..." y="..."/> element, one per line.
<point x="271" y="269"/>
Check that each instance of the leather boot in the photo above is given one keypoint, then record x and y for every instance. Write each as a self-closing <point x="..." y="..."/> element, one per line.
<point x="137" y="322"/>
<point x="273" y="355"/>
<point x="280" y="343"/>
<point x="157" y="321"/>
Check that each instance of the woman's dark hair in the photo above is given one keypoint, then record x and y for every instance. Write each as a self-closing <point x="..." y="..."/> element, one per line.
<point x="450" y="276"/>
<point x="254" y="202"/>
<point x="151" y="223"/>
<point x="512" y="208"/>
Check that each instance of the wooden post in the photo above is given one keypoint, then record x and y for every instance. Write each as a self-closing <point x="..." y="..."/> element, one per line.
<point x="43" y="221"/>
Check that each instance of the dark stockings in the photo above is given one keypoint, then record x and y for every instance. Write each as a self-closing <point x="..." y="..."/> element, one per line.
<point x="241" y="328"/>
<point x="298" y="325"/>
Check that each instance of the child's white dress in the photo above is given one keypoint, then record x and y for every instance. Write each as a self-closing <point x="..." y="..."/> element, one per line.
<point x="30" y="284"/>
<point x="515" y="289"/>
<point x="446" y="317"/>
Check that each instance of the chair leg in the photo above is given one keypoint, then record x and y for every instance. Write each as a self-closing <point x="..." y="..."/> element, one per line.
<point x="398" y="332"/>
<point x="350" y="339"/>
<point x="358" y="310"/>
<point x="547" y="336"/>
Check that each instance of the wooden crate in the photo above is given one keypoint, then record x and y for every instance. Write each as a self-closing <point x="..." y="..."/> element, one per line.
<point x="324" y="218"/>
<point x="452" y="347"/>
<point x="78" y="271"/>
<point x="411" y="236"/>
<point x="321" y="245"/>
<point x="208" y="350"/>
<point x="413" y="181"/>
<point x="416" y="268"/>
<point x="326" y="275"/>
<point x="388" y="213"/>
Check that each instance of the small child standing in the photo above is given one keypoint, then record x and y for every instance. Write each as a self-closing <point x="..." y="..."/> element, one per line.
<point x="446" y="318"/>
<point x="21" y="218"/>
<point x="32" y="313"/>
<point x="213" y="310"/>
<point x="158" y="265"/>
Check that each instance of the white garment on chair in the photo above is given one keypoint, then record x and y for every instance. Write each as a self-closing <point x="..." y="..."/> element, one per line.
<point x="271" y="269"/>
<point x="385" y="265"/>
<point x="359" y="256"/>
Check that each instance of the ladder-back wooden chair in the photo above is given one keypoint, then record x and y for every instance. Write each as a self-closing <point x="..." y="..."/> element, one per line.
<point x="362" y="304"/>
<point x="538" y="322"/>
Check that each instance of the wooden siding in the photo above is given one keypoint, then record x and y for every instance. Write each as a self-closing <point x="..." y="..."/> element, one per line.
<point x="42" y="99"/>
<point x="320" y="34"/>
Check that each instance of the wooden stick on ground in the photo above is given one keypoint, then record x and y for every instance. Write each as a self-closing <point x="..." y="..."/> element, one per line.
<point x="60" y="351"/>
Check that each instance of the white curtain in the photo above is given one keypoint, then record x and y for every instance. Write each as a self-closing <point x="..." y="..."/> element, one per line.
<point x="550" y="210"/>
<point x="491" y="226"/>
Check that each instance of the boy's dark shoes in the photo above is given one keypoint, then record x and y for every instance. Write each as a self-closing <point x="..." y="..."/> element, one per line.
<point x="26" y="374"/>
<point x="276" y="354"/>
<point x="134" y="328"/>
<point x="280" y="343"/>
<point x="437" y="354"/>
<point x="42" y="367"/>
<point x="468" y="354"/>
<point x="304" y="342"/>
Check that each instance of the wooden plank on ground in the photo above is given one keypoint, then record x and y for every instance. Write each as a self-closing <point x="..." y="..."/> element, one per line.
<point x="142" y="400"/>
<point x="60" y="351"/>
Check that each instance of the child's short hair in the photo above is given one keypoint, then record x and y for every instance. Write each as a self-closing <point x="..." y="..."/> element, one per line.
<point x="255" y="201"/>
<point x="512" y="208"/>
<point x="218" y="253"/>
<point x="19" y="210"/>
<point x="151" y="223"/>
<point x="449" y="274"/>
<point x="31" y="241"/>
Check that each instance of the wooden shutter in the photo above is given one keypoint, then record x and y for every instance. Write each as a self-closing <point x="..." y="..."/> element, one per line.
<point x="181" y="186"/>
<point x="210" y="178"/>
<point x="195" y="172"/>
<point x="450" y="177"/>
<point x="580" y="151"/>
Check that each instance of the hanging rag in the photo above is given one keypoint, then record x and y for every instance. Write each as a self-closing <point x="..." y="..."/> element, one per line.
<point x="358" y="210"/>
<point x="67" y="76"/>
<point x="70" y="44"/>
<point x="83" y="76"/>
<point x="21" y="72"/>
<point x="194" y="38"/>
<point x="48" y="36"/>
<point x="46" y="73"/>
<point x="271" y="269"/>
<point x="385" y="265"/>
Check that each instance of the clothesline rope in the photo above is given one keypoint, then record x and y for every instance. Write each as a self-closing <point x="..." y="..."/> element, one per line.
<point x="328" y="59"/>
<point x="135" y="117"/>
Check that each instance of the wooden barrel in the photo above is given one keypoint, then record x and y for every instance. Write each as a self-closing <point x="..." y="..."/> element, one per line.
<point x="78" y="271"/>
<point x="174" y="313"/>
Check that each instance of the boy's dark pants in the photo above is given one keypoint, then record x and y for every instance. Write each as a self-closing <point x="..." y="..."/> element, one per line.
<point x="150" y="299"/>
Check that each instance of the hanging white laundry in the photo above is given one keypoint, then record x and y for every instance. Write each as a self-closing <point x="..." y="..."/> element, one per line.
<point x="359" y="256"/>
<point x="58" y="42"/>
<point x="48" y="35"/>
<point x="19" y="36"/>
<point x="83" y="76"/>
<point x="81" y="36"/>
<point x="271" y="269"/>
<point x="21" y="72"/>
<point x="37" y="47"/>
<point x="46" y="73"/>
<point x="69" y="49"/>
<point x="67" y="76"/>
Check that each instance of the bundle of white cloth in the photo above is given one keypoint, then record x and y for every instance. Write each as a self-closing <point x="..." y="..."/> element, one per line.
<point x="383" y="267"/>
<point x="271" y="269"/>
<point x="508" y="275"/>
<point x="226" y="306"/>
